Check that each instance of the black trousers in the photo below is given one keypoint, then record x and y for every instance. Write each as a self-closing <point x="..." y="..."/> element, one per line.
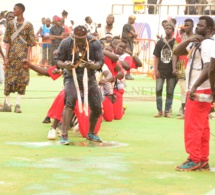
<point x="94" y="98"/>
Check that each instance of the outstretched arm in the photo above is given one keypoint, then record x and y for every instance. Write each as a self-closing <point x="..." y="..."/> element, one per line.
<point x="40" y="70"/>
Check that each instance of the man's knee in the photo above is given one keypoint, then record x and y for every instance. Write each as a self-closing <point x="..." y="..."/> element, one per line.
<point x="159" y="93"/>
<point x="169" y="95"/>
<point x="70" y="102"/>
<point x="96" y="111"/>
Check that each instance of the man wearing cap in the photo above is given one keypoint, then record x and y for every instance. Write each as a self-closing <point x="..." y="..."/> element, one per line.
<point x="108" y="37"/>
<point x="80" y="56"/>
<point x="128" y="33"/>
<point x="56" y="36"/>
<point x="163" y="70"/>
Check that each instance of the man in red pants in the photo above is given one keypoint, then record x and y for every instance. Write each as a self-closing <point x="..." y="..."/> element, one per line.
<point x="196" y="123"/>
<point x="110" y="59"/>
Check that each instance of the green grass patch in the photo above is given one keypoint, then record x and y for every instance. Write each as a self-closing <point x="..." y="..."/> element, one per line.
<point x="144" y="164"/>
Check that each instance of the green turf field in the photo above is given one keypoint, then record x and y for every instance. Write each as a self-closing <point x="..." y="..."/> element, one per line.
<point x="140" y="160"/>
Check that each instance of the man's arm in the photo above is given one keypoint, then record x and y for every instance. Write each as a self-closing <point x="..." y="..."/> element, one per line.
<point x="206" y="58"/>
<point x="51" y="34"/>
<point x="156" y="72"/>
<point x="29" y="53"/>
<point x="7" y="48"/>
<point x="202" y="78"/>
<point x="211" y="75"/>
<point x="137" y="61"/>
<point x="128" y="52"/>
<point x="52" y="72"/>
<point x="174" y="63"/>
<point x="181" y="50"/>
<point x="1" y="52"/>
<point x="110" y="55"/>
<point x="108" y="77"/>
<point x="133" y="33"/>
<point x="38" y="32"/>
<point x="57" y="36"/>
<point x="99" y="57"/>
<point x="61" y="55"/>
<point x="129" y="31"/>
<point x="40" y="70"/>
<point x="125" y="65"/>
<point x="60" y="36"/>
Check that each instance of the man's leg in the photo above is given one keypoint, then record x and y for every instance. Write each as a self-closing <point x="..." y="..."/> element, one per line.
<point x="118" y="105"/>
<point x="57" y="107"/>
<point x="55" y="112"/>
<point x="95" y="107"/>
<point x="130" y="46"/>
<point x="7" y="100"/>
<point x="1" y="74"/>
<point x="21" y="91"/>
<point x="205" y="142"/>
<point x="200" y="8"/>
<point x="17" y="107"/>
<point x="49" y="55"/>
<point x="7" y="104"/>
<point x="159" y="90"/>
<point x="44" y="55"/>
<point x="52" y="131"/>
<point x="53" y="48"/>
<point x="70" y="100"/>
<point x="196" y="136"/>
<point x="183" y="97"/>
<point x="108" y="109"/>
<point x="205" y="138"/>
<point x="170" y="86"/>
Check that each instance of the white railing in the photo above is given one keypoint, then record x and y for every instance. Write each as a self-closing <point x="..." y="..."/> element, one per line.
<point x="118" y="9"/>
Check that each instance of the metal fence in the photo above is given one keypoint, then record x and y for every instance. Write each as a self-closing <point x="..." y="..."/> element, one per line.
<point x="118" y="9"/>
<point x="144" y="50"/>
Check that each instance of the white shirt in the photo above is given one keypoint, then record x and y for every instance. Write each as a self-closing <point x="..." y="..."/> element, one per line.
<point x="102" y="32"/>
<point x="99" y="75"/>
<point x="213" y="50"/>
<point x="205" y="55"/>
<point x="67" y="22"/>
<point x="2" y="29"/>
<point x="91" y="28"/>
<point x="107" y="88"/>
